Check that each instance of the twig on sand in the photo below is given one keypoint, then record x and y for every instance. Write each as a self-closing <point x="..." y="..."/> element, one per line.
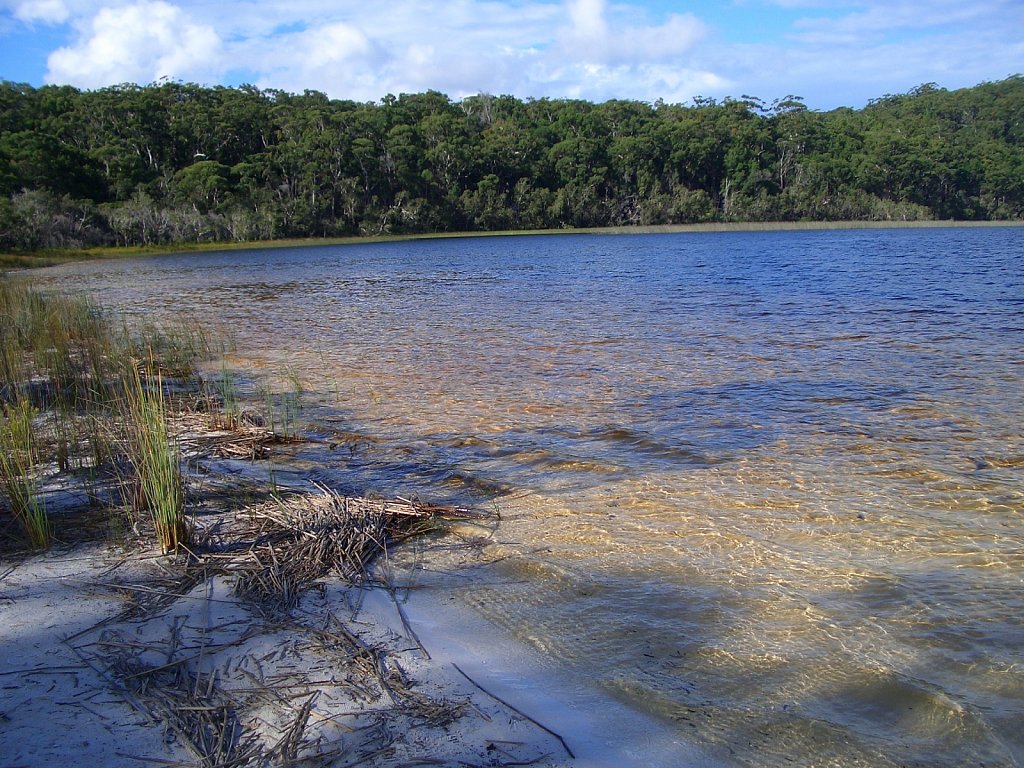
<point x="405" y="623"/>
<point x="516" y="710"/>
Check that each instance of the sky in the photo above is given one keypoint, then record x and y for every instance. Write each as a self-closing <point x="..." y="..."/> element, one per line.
<point x="831" y="53"/>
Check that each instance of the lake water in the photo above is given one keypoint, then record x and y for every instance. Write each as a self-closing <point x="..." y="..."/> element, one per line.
<point x="768" y="487"/>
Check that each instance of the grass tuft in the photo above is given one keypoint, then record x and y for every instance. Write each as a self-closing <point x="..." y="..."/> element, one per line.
<point x="155" y="458"/>
<point x="19" y="464"/>
<point x="74" y="396"/>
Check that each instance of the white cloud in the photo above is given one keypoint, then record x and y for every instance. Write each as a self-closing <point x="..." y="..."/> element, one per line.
<point x="587" y="16"/>
<point x="867" y="20"/>
<point x="46" y="11"/>
<point x="141" y="42"/>
<point x="891" y="46"/>
<point x="854" y="58"/>
<point x="333" y="44"/>
<point x="579" y="47"/>
<point x="592" y="39"/>
<point x="830" y="51"/>
<point x="337" y="58"/>
<point x="598" y="82"/>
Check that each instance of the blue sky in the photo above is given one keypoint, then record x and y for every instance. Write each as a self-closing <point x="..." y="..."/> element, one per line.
<point x="831" y="53"/>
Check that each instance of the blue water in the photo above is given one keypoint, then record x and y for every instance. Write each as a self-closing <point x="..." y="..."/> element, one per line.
<point x="766" y="486"/>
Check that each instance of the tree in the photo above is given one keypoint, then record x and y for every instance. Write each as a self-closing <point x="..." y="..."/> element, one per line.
<point x="178" y="161"/>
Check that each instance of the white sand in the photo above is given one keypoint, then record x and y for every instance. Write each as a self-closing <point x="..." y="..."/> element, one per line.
<point x="61" y="699"/>
<point x="54" y="708"/>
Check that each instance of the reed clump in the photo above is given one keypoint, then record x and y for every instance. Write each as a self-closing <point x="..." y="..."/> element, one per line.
<point x="54" y="349"/>
<point x="154" y="457"/>
<point x="19" y="464"/>
<point x="74" y="395"/>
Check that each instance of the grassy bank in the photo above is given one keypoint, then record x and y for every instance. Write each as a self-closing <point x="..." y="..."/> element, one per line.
<point x="80" y="394"/>
<point x="92" y="408"/>
<point x="17" y="261"/>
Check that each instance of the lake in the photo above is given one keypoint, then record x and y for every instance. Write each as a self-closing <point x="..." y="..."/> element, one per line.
<point x="766" y="487"/>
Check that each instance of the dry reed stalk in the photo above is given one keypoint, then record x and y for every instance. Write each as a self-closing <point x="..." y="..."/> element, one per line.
<point x="191" y="705"/>
<point x="287" y="749"/>
<point x="152" y="598"/>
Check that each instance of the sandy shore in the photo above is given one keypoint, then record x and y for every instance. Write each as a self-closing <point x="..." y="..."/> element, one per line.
<point x="100" y="659"/>
<point x="114" y="654"/>
<point x="200" y="679"/>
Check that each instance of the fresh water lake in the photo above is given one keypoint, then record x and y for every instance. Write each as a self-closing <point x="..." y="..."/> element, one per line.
<point x="765" y="487"/>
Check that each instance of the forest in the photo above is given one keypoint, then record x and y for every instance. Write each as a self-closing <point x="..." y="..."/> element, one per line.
<point x="176" y="162"/>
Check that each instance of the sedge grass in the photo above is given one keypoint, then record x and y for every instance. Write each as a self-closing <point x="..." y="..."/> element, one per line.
<point x="174" y="350"/>
<point x="281" y="412"/>
<point x="61" y="343"/>
<point x="228" y="392"/>
<point x="61" y="355"/>
<point x="19" y="465"/>
<point x="155" y="458"/>
<point x="12" y="374"/>
<point x="16" y="310"/>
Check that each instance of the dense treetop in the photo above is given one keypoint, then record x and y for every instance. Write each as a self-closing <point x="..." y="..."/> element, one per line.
<point x="178" y="162"/>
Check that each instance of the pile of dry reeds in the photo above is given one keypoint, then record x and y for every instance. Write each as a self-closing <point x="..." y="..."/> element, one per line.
<point x="191" y="705"/>
<point x="297" y="540"/>
<point x="206" y="433"/>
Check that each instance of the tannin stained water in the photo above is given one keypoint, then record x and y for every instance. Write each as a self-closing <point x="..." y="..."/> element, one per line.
<point x="765" y="486"/>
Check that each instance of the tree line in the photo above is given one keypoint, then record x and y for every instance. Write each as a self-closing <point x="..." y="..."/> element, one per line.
<point x="177" y="162"/>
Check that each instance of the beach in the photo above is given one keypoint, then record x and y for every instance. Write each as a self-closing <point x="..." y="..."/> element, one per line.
<point x="121" y="656"/>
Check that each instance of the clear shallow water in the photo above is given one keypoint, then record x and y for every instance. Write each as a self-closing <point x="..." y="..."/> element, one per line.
<point x="768" y="487"/>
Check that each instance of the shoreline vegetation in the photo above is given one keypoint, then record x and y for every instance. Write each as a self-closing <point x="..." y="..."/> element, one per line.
<point x="54" y="257"/>
<point x="176" y="163"/>
<point x="202" y="595"/>
<point x="89" y="402"/>
<point x="124" y="413"/>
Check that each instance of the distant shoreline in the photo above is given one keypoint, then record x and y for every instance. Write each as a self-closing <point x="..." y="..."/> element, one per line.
<point x="32" y="260"/>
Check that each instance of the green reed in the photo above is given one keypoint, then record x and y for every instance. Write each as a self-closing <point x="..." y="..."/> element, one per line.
<point x="175" y="349"/>
<point x="53" y="348"/>
<point x="283" y="408"/>
<point x="14" y="313"/>
<point x="76" y="373"/>
<point x="12" y="374"/>
<point x="155" y="458"/>
<point x="19" y="465"/>
<point x="227" y="391"/>
<point x="62" y="355"/>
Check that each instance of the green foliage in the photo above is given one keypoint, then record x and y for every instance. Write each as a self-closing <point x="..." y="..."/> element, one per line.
<point x="177" y="162"/>
<point x="19" y="464"/>
<point x="61" y="343"/>
<point x="281" y="409"/>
